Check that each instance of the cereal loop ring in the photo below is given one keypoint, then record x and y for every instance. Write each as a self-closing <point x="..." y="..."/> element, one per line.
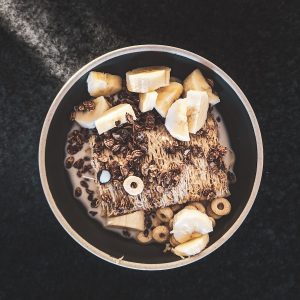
<point x="176" y="207"/>
<point x="221" y="206"/>
<point x="155" y="221"/>
<point x="190" y="207"/>
<point x="210" y="213"/>
<point x="143" y="239"/>
<point x="133" y="185"/>
<point x="161" y="234"/>
<point x="171" y="223"/>
<point x="199" y="206"/>
<point x="164" y="214"/>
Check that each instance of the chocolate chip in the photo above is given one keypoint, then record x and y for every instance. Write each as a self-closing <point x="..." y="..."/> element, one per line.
<point x="86" y="168"/>
<point x="69" y="162"/>
<point x="78" y="164"/>
<point x="95" y="203"/>
<point x="89" y="191"/>
<point x="78" y="192"/>
<point x="84" y="184"/>
<point x="93" y="213"/>
<point x="126" y="233"/>
<point x="90" y="197"/>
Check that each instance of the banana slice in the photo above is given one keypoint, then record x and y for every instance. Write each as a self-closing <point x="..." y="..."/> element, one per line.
<point x="176" y="120"/>
<point x="103" y="84"/>
<point x="166" y="97"/>
<point x="191" y="247"/>
<point x="148" y="79"/>
<point x="147" y="101"/>
<point x="134" y="220"/>
<point x="197" y="109"/>
<point x="196" y="81"/>
<point x="115" y="114"/>
<point x="87" y="119"/>
<point x="187" y="222"/>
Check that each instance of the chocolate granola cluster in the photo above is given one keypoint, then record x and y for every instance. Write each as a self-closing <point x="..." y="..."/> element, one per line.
<point x="76" y="140"/>
<point x="188" y="151"/>
<point x="163" y="180"/>
<point x="85" y="106"/>
<point x="127" y="140"/>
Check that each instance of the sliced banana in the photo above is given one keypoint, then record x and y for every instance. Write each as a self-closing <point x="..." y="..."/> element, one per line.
<point x="103" y="84"/>
<point x="189" y="221"/>
<point x="115" y="114"/>
<point x="87" y="119"/>
<point x="191" y="247"/>
<point x="147" y="101"/>
<point x="144" y="80"/>
<point x="196" y="81"/>
<point x="197" y="110"/>
<point x="176" y="120"/>
<point x="135" y="220"/>
<point x="166" y="97"/>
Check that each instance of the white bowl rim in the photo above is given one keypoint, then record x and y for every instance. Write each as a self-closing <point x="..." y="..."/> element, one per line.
<point x="42" y="149"/>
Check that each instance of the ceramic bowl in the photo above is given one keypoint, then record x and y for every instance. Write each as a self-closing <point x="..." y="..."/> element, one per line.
<point x="243" y="131"/>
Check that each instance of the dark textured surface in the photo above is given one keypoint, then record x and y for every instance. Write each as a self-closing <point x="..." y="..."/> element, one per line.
<point x="43" y="42"/>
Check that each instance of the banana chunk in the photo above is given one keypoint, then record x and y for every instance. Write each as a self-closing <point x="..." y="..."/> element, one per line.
<point x="148" y="79"/>
<point x="167" y="96"/>
<point x="196" y="81"/>
<point x="103" y="84"/>
<point x="188" y="222"/>
<point x="115" y="114"/>
<point x="134" y="220"/>
<point x="197" y="110"/>
<point x="147" y="101"/>
<point x="176" y="120"/>
<point x="191" y="247"/>
<point x="87" y="119"/>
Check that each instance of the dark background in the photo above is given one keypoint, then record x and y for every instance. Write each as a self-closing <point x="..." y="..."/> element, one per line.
<point x="43" y="42"/>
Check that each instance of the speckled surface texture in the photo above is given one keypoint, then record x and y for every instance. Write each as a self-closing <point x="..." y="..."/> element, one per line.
<point x="43" y="42"/>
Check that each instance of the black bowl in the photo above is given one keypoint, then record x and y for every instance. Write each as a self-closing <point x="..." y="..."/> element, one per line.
<point x="243" y="131"/>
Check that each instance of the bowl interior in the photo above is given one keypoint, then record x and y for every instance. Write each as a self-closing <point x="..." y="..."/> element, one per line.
<point x="239" y="128"/>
